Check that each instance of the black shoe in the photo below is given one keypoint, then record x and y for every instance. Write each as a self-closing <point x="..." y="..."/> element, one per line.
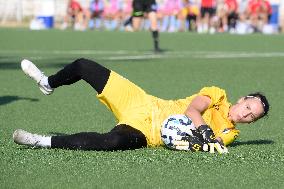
<point x="158" y="50"/>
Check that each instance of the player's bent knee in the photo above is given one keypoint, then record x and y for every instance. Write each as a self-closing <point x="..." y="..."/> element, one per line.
<point x="80" y="63"/>
<point x="84" y="65"/>
<point x="119" y="142"/>
<point x="126" y="138"/>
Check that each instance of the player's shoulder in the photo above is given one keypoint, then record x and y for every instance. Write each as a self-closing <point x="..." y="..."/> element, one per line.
<point x="216" y="94"/>
<point x="213" y="89"/>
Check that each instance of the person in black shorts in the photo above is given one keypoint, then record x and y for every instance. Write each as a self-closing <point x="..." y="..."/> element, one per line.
<point x="207" y="10"/>
<point x="150" y="8"/>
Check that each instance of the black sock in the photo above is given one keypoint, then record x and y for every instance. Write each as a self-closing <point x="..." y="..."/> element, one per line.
<point x="155" y="35"/>
<point x="128" y="21"/>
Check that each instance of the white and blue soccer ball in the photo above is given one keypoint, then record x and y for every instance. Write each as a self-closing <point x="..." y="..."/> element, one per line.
<point x="175" y="127"/>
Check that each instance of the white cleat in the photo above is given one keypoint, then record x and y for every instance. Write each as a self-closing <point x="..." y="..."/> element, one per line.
<point x="33" y="72"/>
<point x="25" y="138"/>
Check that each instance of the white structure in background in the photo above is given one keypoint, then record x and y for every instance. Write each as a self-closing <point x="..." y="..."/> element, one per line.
<point x="11" y="10"/>
<point x="44" y="15"/>
<point x="24" y="10"/>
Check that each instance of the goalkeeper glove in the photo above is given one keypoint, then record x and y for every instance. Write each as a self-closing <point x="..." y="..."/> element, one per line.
<point x="194" y="144"/>
<point x="207" y="134"/>
<point x="189" y="143"/>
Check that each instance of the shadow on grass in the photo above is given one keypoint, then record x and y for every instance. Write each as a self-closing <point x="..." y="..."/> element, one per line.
<point x="8" y="63"/>
<point x="9" y="99"/>
<point x="252" y="142"/>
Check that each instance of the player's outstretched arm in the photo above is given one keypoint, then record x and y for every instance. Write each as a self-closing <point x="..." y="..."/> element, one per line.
<point x="194" y="111"/>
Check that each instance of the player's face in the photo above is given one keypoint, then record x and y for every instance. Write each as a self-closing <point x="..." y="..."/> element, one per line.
<point x="246" y="110"/>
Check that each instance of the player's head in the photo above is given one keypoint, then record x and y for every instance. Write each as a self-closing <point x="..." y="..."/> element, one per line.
<point x="249" y="108"/>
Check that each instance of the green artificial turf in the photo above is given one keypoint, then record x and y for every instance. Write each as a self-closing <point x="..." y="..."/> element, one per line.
<point x="239" y="64"/>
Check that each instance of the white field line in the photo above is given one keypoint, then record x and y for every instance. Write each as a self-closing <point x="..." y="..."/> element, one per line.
<point x="137" y="55"/>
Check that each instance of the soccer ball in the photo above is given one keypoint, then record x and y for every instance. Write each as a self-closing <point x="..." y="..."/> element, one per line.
<point x="175" y="127"/>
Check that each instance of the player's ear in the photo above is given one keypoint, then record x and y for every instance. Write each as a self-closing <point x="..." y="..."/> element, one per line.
<point x="241" y="100"/>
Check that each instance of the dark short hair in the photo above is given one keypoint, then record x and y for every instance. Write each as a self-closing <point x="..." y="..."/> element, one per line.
<point x="263" y="100"/>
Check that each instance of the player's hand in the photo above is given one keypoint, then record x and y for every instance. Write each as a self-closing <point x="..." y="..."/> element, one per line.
<point x="207" y="134"/>
<point x="210" y="139"/>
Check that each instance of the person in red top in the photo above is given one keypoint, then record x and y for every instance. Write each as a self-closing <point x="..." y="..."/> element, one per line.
<point x="265" y="11"/>
<point x="75" y="16"/>
<point x="228" y="15"/>
<point x="208" y="10"/>
<point x="74" y="7"/>
<point x="259" y="12"/>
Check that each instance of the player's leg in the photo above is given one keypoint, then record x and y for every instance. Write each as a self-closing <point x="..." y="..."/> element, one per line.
<point x="154" y="28"/>
<point x="90" y="71"/>
<point x="136" y="23"/>
<point x="122" y="137"/>
<point x="151" y="9"/>
<point x="137" y="14"/>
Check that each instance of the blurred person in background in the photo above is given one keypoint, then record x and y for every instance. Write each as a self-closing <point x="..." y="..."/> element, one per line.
<point x="228" y="15"/>
<point x="126" y="15"/>
<point x="75" y="15"/>
<point x="193" y="13"/>
<point x="95" y="14"/>
<point x="172" y="9"/>
<point x="265" y="12"/>
<point x="243" y="11"/>
<point x="242" y="24"/>
<point x="162" y="16"/>
<point x="147" y="8"/>
<point x="259" y="12"/>
<point x="183" y="15"/>
<point x="112" y="14"/>
<point x="208" y="11"/>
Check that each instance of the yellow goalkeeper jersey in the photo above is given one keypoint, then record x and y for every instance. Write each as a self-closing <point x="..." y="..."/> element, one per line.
<point x="131" y="105"/>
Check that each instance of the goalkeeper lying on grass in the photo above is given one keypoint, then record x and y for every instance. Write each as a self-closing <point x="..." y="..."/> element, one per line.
<point x="139" y="114"/>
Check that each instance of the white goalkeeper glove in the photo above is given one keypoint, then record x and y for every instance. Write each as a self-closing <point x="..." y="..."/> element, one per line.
<point x="194" y="144"/>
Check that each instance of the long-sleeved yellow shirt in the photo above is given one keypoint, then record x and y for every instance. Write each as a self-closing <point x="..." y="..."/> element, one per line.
<point x="133" y="106"/>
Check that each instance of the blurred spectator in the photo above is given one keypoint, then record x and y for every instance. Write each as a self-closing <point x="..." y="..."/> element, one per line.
<point x="171" y="11"/>
<point x="95" y="15"/>
<point x="126" y="15"/>
<point x="193" y="14"/>
<point x="74" y="16"/>
<point x="208" y="12"/>
<point x="160" y="13"/>
<point x="182" y="16"/>
<point x="228" y="15"/>
<point x="234" y="16"/>
<point x="242" y="24"/>
<point x="259" y="12"/>
<point x="243" y="10"/>
<point x="265" y="11"/>
<point x="112" y="14"/>
<point x="253" y="13"/>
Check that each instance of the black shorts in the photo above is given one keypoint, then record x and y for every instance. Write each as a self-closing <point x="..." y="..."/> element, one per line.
<point x="211" y="11"/>
<point x="141" y="6"/>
